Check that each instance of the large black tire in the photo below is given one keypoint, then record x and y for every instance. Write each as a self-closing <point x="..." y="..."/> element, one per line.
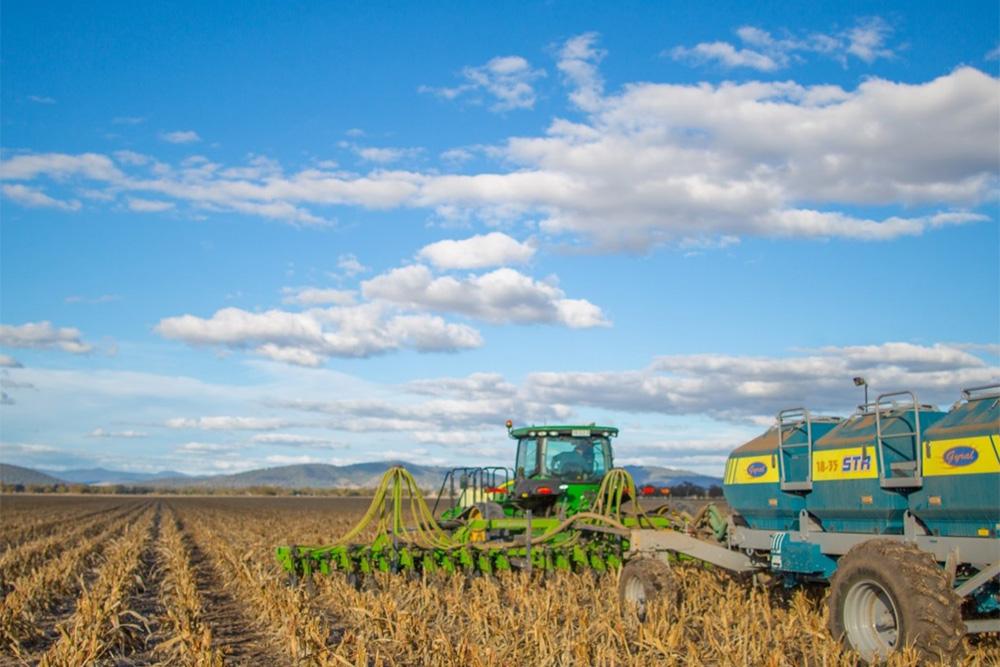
<point x="888" y="594"/>
<point x="644" y="580"/>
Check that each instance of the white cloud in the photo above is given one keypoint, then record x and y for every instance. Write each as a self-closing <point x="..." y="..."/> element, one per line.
<point x="501" y="296"/>
<point x="478" y="252"/>
<point x="148" y="205"/>
<point x="350" y="265"/>
<point x="725" y="54"/>
<point x="866" y="41"/>
<point x="386" y="154"/>
<point x="128" y="120"/>
<point x="309" y="338"/>
<point x="35" y="198"/>
<point x="7" y="361"/>
<point x="993" y="54"/>
<point x="181" y="137"/>
<point x="41" y="99"/>
<point x="314" y="296"/>
<point x="42" y="335"/>
<point x="103" y="433"/>
<point x="659" y="163"/>
<point x="56" y="165"/>
<point x="508" y="80"/>
<point x="748" y="388"/>
<point x="227" y="423"/>
<point x="578" y="62"/>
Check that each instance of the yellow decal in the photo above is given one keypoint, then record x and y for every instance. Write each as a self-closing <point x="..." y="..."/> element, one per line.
<point x="962" y="456"/>
<point x="753" y="470"/>
<point x="841" y="464"/>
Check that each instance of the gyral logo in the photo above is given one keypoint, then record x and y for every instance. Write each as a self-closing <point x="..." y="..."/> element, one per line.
<point x="756" y="469"/>
<point x="961" y="456"/>
<point x="856" y="464"/>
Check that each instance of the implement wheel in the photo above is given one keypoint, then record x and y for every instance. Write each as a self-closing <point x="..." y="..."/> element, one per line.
<point x="644" y="580"/>
<point x="886" y="595"/>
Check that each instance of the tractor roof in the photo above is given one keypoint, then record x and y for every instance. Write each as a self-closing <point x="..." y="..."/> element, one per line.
<point x="564" y="429"/>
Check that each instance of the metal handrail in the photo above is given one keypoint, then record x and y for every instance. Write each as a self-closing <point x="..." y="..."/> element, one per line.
<point x="804" y="416"/>
<point x="480" y="477"/>
<point x="967" y="393"/>
<point x="885" y="480"/>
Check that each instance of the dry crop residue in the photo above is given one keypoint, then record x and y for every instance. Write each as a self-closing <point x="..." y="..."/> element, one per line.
<point x="192" y="581"/>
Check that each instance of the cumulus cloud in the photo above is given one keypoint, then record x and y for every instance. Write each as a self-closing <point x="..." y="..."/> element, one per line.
<point x="350" y="266"/>
<point x="578" y="62"/>
<point x="745" y="388"/>
<point x="508" y="80"/>
<point x="7" y="361"/>
<point x="227" y="423"/>
<point x="314" y="296"/>
<point x="764" y="52"/>
<point x="181" y="137"/>
<point x="310" y="337"/>
<point x="42" y="335"/>
<point x="657" y="162"/>
<point x="35" y="198"/>
<point x="385" y="154"/>
<point x="478" y="252"/>
<point x="502" y="296"/>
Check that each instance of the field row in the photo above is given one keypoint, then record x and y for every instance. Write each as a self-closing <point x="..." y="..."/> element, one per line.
<point x="187" y="581"/>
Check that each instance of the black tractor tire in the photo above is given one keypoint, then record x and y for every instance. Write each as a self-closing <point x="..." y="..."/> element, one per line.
<point x="644" y="580"/>
<point x="885" y="583"/>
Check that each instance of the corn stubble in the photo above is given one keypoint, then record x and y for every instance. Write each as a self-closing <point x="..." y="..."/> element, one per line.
<point x="511" y="619"/>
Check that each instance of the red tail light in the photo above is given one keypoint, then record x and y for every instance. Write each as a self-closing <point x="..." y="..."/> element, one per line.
<point x="543" y="491"/>
<point x="648" y="490"/>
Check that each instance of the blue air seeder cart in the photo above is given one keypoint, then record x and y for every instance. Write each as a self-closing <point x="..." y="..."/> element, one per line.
<point x="896" y="507"/>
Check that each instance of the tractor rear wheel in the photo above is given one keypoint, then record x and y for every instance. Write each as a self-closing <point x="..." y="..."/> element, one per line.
<point x="644" y="580"/>
<point x="886" y="595"/>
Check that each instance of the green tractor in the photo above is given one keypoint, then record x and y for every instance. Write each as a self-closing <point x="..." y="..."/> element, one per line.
<point x="558" y="472"/>
<point x="562" y="507"/>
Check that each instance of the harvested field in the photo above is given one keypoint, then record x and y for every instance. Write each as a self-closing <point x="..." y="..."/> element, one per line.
<point x="192" y="581"/>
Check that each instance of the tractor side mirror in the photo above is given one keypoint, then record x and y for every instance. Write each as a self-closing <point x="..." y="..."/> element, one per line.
<point x="463" y="482"/>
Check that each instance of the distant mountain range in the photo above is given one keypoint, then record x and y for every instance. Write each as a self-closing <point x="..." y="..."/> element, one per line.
<point x="11" y="474"/>
<point x="301" y="476"/>
<point x="105" y="476"/>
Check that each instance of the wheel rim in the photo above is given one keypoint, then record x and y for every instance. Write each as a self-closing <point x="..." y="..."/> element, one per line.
<point x="635" y="593"/>
<point x="871" y="620"/>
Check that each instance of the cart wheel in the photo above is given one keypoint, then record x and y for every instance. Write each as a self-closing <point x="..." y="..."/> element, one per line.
<point x="886" y="595"/>
<point x="644" y="580"/>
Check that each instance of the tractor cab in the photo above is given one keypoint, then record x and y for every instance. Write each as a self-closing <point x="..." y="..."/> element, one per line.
<point x="559" y="467"/>
<point x="557" y="470"/>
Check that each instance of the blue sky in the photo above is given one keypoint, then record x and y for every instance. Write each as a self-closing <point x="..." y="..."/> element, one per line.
<point x="256" y="234"/>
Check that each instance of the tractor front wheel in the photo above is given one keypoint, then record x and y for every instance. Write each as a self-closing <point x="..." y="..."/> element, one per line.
<point x="886" y="595"/>
<point x="644" y="580"/>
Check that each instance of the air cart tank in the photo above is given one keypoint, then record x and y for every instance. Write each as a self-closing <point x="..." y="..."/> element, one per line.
<point x="864" y="470"/>
<point x="961" y="469"/>
<point x="762" y="477"/>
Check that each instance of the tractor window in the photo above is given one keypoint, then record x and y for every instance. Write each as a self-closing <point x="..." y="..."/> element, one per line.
<point x="527" y="457"/>
<point x="575" y="458"/>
